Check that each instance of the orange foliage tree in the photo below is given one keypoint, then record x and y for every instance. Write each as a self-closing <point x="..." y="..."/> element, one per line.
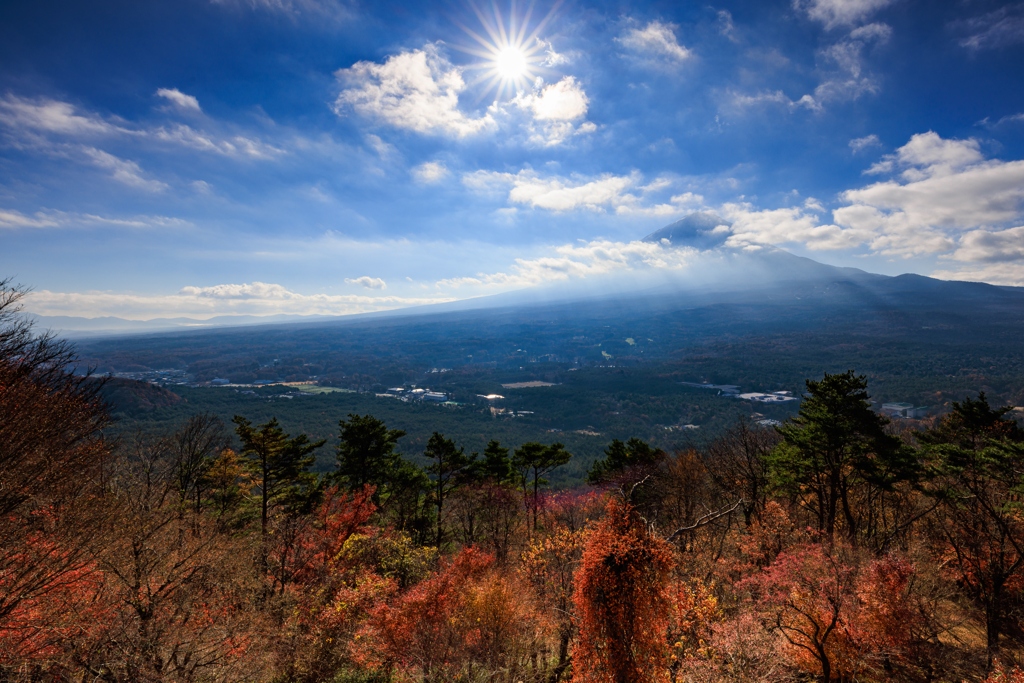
<point x="621" y="602"/>
<point x="694" y="611"/>
<point x="549" y="564"/>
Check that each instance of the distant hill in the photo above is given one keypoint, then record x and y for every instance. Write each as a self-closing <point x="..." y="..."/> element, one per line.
<point x="76" y="326"/>
<point x="131" y="396"/>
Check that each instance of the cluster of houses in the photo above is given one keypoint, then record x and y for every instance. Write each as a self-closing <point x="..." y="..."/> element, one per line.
<point x="907" y="410"/>
<point x="733" y="391"/>
<point x="896" y="410"/>
<point x="415" y="394"/>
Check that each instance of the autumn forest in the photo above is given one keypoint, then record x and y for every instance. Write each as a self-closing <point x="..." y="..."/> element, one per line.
<point x="833" y="548"/>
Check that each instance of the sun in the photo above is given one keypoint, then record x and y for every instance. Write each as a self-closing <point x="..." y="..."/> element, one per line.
<point x="511" y="63"/>
<point x="510" y="53"/>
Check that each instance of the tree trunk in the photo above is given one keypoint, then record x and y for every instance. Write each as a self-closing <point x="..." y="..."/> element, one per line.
<point x="563" y="658"/>
<point x="992" y="627"/>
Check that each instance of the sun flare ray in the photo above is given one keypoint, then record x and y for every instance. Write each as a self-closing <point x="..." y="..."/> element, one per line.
<point x="510" y="51"/>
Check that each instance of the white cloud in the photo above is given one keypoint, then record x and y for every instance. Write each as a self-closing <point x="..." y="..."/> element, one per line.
<point x="179" y="99"/>
<point x="833" y="13"/>
<point x="992" y="246"/>
<point x="332" y="10"/>
<point x="556" y="193"/>
<point x="561" y="101"/>
<point x="254" y="290"/>
<point x="384" y="150"/>
<point x="430" y="172"/>
<point x="677" y="204"/>
<point x="860" y="144"/>
<point x="725" y="25"/>
<point x="849" y="80"/>
<point x="40" y="121"/>
<point x="51" y="116"/>
<point x="777" y="97"/>
<point x="621" y="194"/>
<point x="1007" y="120"/>
<point x="927" y="155"/>
<point x="1000" y="28"/>
<point x="1010" y="274"/>
<point x="12" y="220"/>
<point x="575" y="261"/>
<point x="656" y="40"/>
<point x="552" y="58"/>
<point x="237" y="146"/>
<point x="256" y="298"/>
<point x="812" y="204"/>
<point x="553" y="112"/>
<point x="416" y="90"/>
<point x="367" y="282"/>
<point x="876" y="31"/>
<point x="947" y="187"/>
<point x="841" y="70"/>
<point x="792" y="225"/>
<point x="123" y="170"/>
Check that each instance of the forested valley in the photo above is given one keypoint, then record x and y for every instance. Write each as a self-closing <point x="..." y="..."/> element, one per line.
<point x="833" y="548"/>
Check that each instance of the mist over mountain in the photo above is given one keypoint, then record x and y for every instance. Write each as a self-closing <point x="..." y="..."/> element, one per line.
<point x="702" y="270"/>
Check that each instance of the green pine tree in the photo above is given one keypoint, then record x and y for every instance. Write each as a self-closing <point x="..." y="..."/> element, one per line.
<point x="532" y="461"/>
<point x="623" y="457"/>
<point x="449" y="463"/>
<point x="279" y="465"/>
<point x="837" y="449"/>
<point x="495" y="467"/>
<point x="367" y="453"/>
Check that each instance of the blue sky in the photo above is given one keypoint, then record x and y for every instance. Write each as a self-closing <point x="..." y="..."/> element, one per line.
<point x="198" y="157"/>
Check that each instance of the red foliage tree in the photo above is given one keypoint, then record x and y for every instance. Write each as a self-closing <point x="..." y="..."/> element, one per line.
<point x="465" y="616"/>
<point x="809" y="593"/>
<point x="1003" y="675"/>
<point x="306" y="549"/>
<point x="52" y="454"/>
<point x="327" y="592"/>
<point x="843" y="616"/>
<point x="889" y="623"/>
<point x="621" y="602"/>
<point x="66" y="609"/>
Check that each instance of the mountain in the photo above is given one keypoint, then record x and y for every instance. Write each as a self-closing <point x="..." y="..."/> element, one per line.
<point x="698" y="230"/>
<point x="709" y="273"/>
